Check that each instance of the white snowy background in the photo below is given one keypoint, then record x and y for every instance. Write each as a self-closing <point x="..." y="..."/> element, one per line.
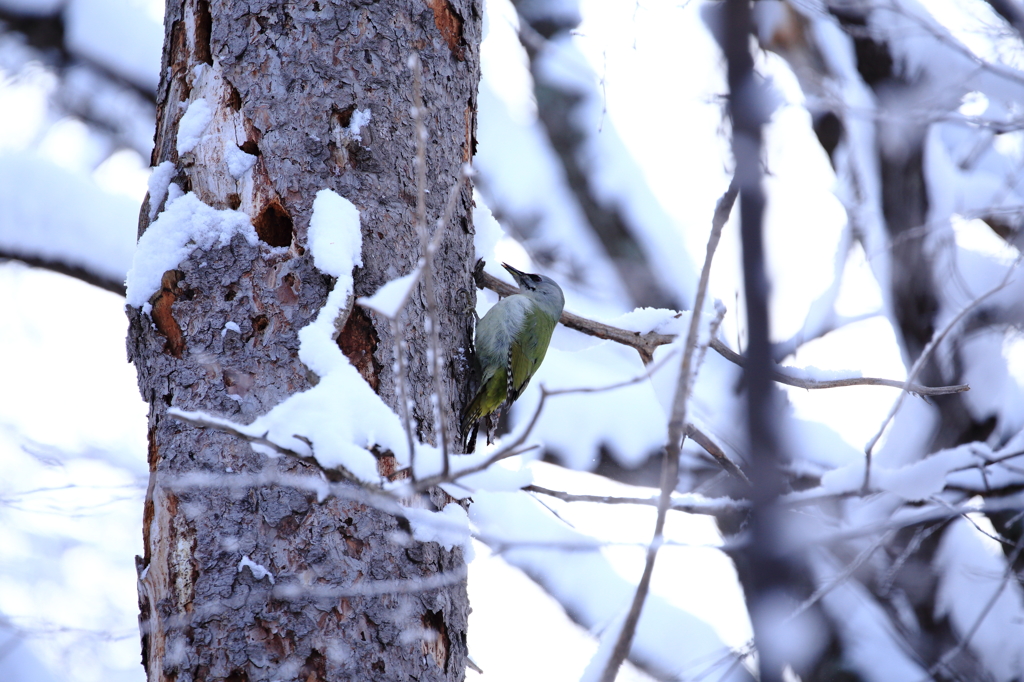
<point x="73" y="171"/>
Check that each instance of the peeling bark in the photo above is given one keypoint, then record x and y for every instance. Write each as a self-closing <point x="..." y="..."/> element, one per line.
<point x="283" y="82"/>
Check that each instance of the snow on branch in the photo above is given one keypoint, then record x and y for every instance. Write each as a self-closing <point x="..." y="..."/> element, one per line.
<point x="691" y="503"/>
<point x="937" y="338"/>
<point x="646" y="343"/>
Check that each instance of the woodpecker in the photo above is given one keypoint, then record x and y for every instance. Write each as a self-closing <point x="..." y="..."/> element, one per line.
<point x="511" y="341"/>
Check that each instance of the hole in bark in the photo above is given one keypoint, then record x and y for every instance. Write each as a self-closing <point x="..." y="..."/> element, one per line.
<point x="168" y="398"/>
<point x="378" y="666"/>
<point x="204" y="27"/>
<point x="358" y="341"/>
<point x="344" y="116"/>
<point x="259" y="323"/>
<point x="237" y="676"/>
<point x="232" y="291"/>
<point x="162" y="313"/>
<point x="438" y="647"/>
<point x="234" y="99"/>
<point x="250" y="147"/>
<point x="449" y="23"/>
<point x="234" y="201"/>
<point x="274" y="225"/>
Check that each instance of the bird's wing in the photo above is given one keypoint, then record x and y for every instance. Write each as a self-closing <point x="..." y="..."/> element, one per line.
<point x="520" y="369"/>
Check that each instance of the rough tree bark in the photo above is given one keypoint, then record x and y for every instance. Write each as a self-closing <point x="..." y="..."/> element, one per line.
<point x="284" y="81"/>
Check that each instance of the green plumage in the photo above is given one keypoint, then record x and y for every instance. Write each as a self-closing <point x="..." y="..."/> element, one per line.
<point x="511" y="341"/>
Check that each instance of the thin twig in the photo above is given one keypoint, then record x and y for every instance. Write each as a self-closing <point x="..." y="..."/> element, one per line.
<point x="648" y="372"/>
<point x="454" y="476"/>
<point x="713" y="449"/>
<point x="712" y="506"/>
<point x="373" y="587"/>
<point x="966" y="639"/>
<point x="225" y="426"/>
<point x="403" y="391"/>
<point x="506" y="451"/>
<point x="676" y="433"/>
<point x="438" y="399"/>
<point x="390" y="501"/>
<point x="920" y="535"/>
<point x="780" y="376"/>
<point x="922" y="358"/>
<point x="843" y="576"/>
<point x="425" y="265"/>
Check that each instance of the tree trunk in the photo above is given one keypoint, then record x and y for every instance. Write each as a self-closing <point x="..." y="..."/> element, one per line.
<point x="289" y="83"/>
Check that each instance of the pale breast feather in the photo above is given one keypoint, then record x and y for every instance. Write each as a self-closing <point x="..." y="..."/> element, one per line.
<point x="499" y="326"/>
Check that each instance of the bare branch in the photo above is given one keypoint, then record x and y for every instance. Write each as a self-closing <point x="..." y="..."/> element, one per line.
<point x="780" y="376"/>
<point x="843" y="576"/>
<point x="512" y="449"/>
<point x="713" y="449"/>
<point x="646" y="343"/>
<point x="78" y="272"/>
<point x="676" y="433"/>
<point x="427" y="253"/>
<point x="710" y="506"/>
<point x="403" y="390"/>
<point x="225" y="426"/>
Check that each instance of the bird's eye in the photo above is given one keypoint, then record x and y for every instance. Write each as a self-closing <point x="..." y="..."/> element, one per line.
<point x="535" y="278"/>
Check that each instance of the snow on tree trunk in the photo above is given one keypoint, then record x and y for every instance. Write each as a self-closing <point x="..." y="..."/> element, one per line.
<point x="246" y="575"/>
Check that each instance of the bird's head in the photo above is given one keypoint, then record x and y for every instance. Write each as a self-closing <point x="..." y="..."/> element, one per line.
<point x="540" y="288"/>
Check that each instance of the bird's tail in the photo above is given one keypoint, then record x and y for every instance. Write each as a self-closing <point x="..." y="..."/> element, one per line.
<point x="470" y="422"/>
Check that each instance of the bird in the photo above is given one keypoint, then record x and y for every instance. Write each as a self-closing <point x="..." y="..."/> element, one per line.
<point x="511" y="341"/>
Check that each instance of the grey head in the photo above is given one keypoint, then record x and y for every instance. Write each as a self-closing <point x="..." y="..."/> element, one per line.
<point x="540" y="289"/>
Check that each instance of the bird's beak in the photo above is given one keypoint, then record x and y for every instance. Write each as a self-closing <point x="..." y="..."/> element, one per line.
<point x="516" y="274"/>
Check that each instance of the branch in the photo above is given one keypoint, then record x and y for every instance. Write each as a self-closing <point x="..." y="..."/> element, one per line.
<point x="919" y="363"/>
<point x="427" y="254"/>
<point x="510" y="450"/>
<point x="225" y="426"/>
<point x="78" y="272"/>
<point x="712" y="448"/>
<point x="780" y="376"/>
<point x="711" y="507"/>
<point x="646" y="343"/>
<point x="676" y="433"/>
